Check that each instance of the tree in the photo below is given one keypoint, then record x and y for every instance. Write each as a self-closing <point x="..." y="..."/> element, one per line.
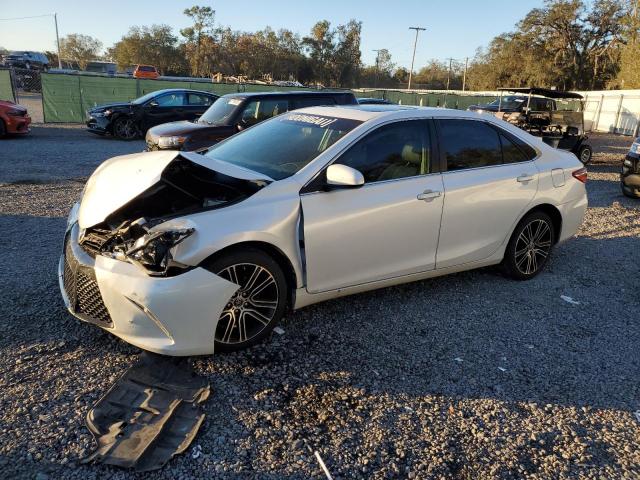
<point x="155" y="45"/>
<point x="80" y="48"/>
<point x="629" y="75"/>
<point x="199" y="37"/>
<point x="566" y="44"/>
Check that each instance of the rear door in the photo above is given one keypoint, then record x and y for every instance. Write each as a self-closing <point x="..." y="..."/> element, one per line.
<point x="489" y="181"/>
<point x="197" y="103"/>
<point x="386" y="228"/>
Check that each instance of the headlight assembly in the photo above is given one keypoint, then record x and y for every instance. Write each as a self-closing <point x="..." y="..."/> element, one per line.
<point x="167" y="142"/>
<point x="635" y="148"/>
<point x="153" y="250"/>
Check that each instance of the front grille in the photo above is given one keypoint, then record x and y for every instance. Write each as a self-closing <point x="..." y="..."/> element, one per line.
<point x="89" y="300"/>
<point x="82" y="290"/>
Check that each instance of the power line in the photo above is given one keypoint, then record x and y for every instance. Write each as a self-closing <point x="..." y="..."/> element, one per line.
<point x="26" y="18"/>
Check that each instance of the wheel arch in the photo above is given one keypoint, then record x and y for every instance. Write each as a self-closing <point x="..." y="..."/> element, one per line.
<point x="274" y="252"/>
<point x="554" y="214"/>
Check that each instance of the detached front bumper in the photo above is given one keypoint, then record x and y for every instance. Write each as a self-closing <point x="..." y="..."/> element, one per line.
<point x="165" y="315"/>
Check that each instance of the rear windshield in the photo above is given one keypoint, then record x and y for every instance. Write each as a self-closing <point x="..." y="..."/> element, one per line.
<point x="220" y="112"/>
<point x="283" y="145"/>
<point x="145" y="68"/>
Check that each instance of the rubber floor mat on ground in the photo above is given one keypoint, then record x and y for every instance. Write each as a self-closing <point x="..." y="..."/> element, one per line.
<point x="150" y="414"/>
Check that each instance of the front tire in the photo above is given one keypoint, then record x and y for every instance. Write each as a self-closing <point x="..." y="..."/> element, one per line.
<point x="530" y="247"/>
<point x="125" y="129"/>
<point x="3" y="129"/>
<point x="258" y="305"/>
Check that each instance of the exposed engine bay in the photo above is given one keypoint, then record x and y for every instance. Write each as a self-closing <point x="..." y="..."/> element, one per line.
<point x="184" y="188"/>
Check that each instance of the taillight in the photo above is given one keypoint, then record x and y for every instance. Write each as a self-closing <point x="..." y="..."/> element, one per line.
<point x="580" y="175"/>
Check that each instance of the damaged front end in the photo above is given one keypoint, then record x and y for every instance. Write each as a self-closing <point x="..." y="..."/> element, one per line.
<point x="134" y="232"/>
<point x="117" y="268"/>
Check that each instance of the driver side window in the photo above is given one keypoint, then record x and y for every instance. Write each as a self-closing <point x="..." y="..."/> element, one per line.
<point x="170" y="100"/>
<point x="394" y="151"/>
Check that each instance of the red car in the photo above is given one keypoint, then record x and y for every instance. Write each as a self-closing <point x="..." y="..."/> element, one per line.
<point x="13" y="118"/>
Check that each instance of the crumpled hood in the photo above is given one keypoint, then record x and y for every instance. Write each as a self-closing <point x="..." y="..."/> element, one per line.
<point x="120" y="179"/>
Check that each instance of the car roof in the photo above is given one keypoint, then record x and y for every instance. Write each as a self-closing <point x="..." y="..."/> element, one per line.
<point x="188" y="90"/>
<point x="365" y="113"/>
<point x="545" y="92"/>
<point x="293" y="93"/>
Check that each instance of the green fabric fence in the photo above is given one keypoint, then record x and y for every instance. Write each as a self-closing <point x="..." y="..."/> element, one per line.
<point x="66" y="98"/>
<point x="430" y="99"/>
<point x="6" y="89"/>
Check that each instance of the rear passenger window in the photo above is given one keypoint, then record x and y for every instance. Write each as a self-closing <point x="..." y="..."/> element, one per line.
<point x="391" y="152"/>
<point x="469" y="144"/>
<point x="199" y="99"/>
<point x="510" y="151"/>
<point x="312" y="102"/>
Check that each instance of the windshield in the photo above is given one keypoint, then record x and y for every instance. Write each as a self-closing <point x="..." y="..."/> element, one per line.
<point x="220" y="112"/>
<point x="280" y="147"/>
<point x="510" y="101"/>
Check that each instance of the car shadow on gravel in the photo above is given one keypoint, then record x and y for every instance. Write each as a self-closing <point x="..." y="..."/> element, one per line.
<point x="476" y="335"/>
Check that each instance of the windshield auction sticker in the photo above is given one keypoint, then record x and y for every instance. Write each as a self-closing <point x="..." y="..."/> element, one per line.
<point x="317" y="120"/>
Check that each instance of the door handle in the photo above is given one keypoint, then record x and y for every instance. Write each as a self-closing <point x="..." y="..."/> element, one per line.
<point x="524" y="178"/>
<point x="428" y="195"/>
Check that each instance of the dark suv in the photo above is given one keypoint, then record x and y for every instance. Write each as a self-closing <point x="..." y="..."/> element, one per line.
<point x="28" y="60"/>
<point x="231" y="113"/>
<point x="630" y="175"/>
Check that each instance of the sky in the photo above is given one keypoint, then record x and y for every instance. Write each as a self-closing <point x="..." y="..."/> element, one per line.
<point x="455" y="28"/>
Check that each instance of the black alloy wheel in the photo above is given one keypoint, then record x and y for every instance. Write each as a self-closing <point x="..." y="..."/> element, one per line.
<point x="125" y="129"/>
<point x="530" y="247"/>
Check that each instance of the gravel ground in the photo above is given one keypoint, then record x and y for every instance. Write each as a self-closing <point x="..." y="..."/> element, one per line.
<point x="466" y="376"/>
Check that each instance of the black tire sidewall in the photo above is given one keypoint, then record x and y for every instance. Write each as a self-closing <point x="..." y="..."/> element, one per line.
<point x="509" y="262"/>
<point x="3" y="129"/>
<point x="115" y="128"/>
<point x="257" y="257"/>
<point x="582" y="149"/>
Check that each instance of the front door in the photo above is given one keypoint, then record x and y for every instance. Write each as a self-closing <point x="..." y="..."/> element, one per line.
<point x="165" y="108"/>
<point x="387" y="228"/>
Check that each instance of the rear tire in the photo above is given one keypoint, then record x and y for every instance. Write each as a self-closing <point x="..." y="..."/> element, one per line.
<point x="530" y="247"/>
<point x="585" y="154"/>
<point x="259" y="304"/>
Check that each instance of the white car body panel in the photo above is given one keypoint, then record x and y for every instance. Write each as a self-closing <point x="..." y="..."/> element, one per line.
<point x="336" y="243"/>
<point x="480" y="206"/>
<point x="362" y="235"/>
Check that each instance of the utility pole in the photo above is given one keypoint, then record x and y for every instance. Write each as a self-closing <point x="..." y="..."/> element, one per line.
<point x="375" y="82"/>
<point x="415" y="43"/>
<point x="464" y="77"/>
<point x="55" y="19"/>
<point x="449" y="72"/>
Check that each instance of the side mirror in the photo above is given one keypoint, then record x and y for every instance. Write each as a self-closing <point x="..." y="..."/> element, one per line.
<point x="153" y="104"/>
<point x="343" y="176"/>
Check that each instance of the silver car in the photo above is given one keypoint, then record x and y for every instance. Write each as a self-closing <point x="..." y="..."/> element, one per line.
<point x="180" y="253"/>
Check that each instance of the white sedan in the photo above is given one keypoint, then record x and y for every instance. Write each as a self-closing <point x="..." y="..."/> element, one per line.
<point x="178" y="253"/>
